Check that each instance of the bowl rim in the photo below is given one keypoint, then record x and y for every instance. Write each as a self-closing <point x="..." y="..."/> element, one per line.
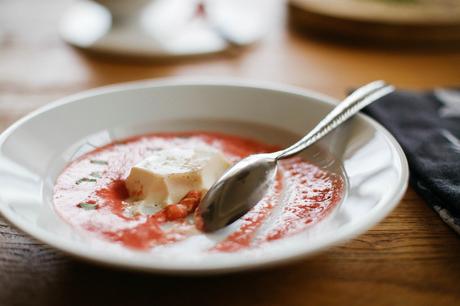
<point x="390" y="201"/>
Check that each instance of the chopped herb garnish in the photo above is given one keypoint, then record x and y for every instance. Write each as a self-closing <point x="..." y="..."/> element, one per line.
<point x="87" y="206"/>
<point x="98" y="161"/>
<point x="85" y="179"/>
<point x="95" y="174"/>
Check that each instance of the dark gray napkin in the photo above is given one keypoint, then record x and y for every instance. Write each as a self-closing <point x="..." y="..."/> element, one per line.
<point x="427" y="125"/>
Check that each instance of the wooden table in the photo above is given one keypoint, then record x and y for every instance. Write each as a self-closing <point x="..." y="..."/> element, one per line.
<point x="411" y="258"/>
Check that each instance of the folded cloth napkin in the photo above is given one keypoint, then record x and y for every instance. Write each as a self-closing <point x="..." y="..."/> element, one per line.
<point x="427" y="125"/>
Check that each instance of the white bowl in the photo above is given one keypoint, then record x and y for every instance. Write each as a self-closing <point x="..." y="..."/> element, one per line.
<point x="34" y="150"/>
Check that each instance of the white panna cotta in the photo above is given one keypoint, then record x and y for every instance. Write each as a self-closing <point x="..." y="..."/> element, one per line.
<point x="168" y="175"/>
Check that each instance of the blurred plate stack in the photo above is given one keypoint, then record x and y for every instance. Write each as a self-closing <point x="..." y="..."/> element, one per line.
<point x="165" y="28"/>
<point x="398" y="22"/>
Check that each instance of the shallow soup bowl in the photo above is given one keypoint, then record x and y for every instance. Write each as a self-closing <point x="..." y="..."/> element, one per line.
<point x="35" y="150"/>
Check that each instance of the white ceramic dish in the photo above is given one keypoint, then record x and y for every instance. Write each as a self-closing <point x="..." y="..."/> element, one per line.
<point x="165" y="28"/>
<point x="34" y="150"/>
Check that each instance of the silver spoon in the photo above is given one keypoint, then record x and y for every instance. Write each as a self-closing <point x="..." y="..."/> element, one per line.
<point x="246" y="182"/>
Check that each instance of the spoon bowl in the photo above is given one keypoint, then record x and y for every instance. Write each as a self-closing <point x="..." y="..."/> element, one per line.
<point x="242" y="185"/>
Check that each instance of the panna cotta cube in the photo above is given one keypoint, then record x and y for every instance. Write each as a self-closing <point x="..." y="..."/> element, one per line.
<point x="168" y="175"/>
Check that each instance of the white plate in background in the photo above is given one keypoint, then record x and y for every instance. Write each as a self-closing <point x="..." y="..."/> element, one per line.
<point x="416" y="12"/>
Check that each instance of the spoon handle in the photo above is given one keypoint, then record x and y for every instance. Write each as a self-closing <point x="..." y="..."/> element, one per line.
<point x="352" y="104"/>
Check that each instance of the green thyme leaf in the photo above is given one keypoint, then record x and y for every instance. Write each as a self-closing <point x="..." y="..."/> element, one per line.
<point x="85" y="179"/>
<point x="87" y="206"/>
<point x="99" y="162"/>
<point x="95" y="174"/>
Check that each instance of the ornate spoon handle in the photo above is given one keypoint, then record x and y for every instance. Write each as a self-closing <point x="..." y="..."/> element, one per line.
<point x="359" y="99"/>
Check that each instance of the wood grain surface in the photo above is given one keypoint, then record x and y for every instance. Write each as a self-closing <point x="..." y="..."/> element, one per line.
<point x="411" y="258"/>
